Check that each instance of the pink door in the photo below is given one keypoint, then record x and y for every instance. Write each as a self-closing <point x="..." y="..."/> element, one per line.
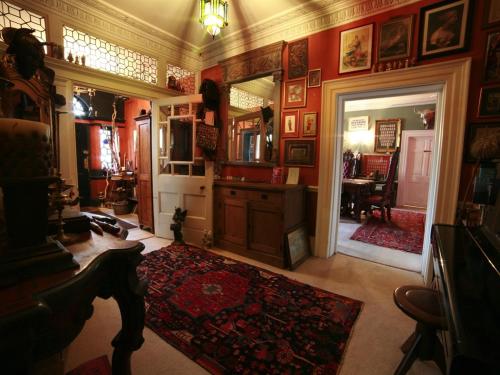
<point x="414" y="168"/>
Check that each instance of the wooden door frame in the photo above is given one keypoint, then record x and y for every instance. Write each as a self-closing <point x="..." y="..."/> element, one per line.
<point x="453" y="76"/>
<point x="403" y="156"/>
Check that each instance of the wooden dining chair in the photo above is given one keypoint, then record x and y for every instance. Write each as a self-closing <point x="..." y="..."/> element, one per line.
<point x="382" y="200"/>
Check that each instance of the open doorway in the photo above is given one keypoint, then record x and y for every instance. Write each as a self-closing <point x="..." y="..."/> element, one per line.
<point x="113" y="153"/>
<point x="387" y="148"/>
<point x="452" y="79"/>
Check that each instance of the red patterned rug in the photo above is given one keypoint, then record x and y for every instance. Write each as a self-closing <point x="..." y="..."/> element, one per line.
<point x="232" y="318"/>
<point x="404" y="232"/>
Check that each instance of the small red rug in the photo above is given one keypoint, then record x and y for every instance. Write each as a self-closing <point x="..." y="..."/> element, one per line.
<point x="404" y="232"/>
<point x="96" y="366"/>
<point x="233" y="318"/>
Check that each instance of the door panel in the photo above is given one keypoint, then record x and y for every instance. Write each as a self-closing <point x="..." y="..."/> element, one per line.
<point x="414" y="168"/>
<point x="144" y="178"/>
<point x="234" y="226"/>
<point x="265" y="228"/>
<point x="176" y="170"/>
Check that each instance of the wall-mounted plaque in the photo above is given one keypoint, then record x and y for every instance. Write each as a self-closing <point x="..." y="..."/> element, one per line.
<point x="358" y="123"/>
<point x="387" y="133"/>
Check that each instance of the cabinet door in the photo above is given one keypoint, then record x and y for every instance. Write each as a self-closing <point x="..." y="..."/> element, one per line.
<point x="234" y="221"/>
<point x="265" y="228"/>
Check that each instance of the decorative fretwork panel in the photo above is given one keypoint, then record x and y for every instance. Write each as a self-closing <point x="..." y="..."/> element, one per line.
<point x="103" y="55"/>
<point x="14" y="16"/>
<point x="185" y="80"/>
<point x="244" y="100"/>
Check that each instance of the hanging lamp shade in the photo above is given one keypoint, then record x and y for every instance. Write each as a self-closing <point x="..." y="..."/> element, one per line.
<point x="213" y="15"/>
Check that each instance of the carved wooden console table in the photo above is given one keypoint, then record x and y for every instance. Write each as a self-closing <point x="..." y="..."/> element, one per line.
<point x="41" y="316"/>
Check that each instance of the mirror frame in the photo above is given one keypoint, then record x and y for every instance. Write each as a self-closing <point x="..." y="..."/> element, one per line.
<point x="251" y="65"/>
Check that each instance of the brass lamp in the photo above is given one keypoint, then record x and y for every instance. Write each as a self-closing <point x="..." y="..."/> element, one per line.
<point x="213" y="15"/>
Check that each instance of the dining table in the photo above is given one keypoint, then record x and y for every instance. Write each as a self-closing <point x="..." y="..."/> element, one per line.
<point x="353" y="191"/>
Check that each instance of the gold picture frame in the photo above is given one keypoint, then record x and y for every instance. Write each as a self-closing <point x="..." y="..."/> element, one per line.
<point x="356" y="49"/>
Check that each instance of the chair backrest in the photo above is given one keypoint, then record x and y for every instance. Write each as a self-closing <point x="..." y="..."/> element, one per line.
<point x="391" y="174"/>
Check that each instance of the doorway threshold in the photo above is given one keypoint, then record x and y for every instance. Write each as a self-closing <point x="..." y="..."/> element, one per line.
<point x="373" y="253"/>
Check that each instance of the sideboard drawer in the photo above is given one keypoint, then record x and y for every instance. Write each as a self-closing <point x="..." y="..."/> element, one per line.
<point x="266" y="196"/>
<point x="234" y="193"/>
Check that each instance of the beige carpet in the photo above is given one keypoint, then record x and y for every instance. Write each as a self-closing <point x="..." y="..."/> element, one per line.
<point x="374" y="344"/>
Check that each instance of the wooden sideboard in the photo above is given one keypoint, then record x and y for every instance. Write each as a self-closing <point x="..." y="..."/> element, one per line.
<point x="252" y="219"/>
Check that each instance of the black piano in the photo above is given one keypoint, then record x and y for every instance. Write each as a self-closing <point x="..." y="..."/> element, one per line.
<point x="467" y="274"/>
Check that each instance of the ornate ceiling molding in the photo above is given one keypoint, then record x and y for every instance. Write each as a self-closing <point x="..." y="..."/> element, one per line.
<point x="110" y="23"/>
<point x="300" y="21"/>
<point x="103" y="21"/>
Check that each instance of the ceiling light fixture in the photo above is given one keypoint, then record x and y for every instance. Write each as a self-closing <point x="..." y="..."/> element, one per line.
<point x="213" y="15"/>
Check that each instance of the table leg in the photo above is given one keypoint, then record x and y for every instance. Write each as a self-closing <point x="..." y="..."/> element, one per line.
<point x="129" y="293"/>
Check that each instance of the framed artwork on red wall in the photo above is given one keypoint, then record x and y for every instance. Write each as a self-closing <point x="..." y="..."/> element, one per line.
<point x="300" y="152"/>
<point x="297" y="59"/>
<point x="492" y="58"/>
<point x="489" y="102"/>
<point x="356" y="49"/>
<point x="477" y="131"/>
<point x="290" y="124"/>
<point x="491" y="16"/>
<point x="444" y="28"/>
<point x="314" y="78"/>
<point x="294" y="94"/>
<point x="394" y="38"/>
<point x="309" y="124"/>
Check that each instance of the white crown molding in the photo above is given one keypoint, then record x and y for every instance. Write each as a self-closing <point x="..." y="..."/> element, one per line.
<point x="105" y="22"/>
<point x="299" y="22"/>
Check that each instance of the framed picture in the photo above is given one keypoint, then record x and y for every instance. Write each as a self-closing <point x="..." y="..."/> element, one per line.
<point x="476" y="131"/>
<point x="492" y="58"/>
<point x="489" y="102"/>
<point x="297" y="246"/>
<point x="300" y="152"/>
<point x="444" y="27"/>
<point x="491" y="15"/>
<point x="356" y="49"/>
<point x="290" y="124"/>
<point x="314" y="78"/>
<point x="394" y="41"/>
<point x="297" y="59"/>
<point x="387" y="134"/>
<point x="309" y="121"/>
<point x="295" y="93"/>
<point x="358" y="123"/>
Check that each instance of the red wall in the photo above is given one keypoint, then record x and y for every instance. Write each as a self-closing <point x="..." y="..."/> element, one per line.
<point x="324" y="54"/>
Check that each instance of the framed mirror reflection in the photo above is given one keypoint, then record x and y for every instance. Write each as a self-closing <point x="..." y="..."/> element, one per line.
<point x="252" y="87"/>
<point x="251" y="121"/>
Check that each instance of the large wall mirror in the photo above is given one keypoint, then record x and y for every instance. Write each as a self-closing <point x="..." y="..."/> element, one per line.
<point x="253" y="84"/>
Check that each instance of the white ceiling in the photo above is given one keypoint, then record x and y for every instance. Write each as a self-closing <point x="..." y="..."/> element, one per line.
<point x="390" y="102"/>
<point x="179" y="18"/>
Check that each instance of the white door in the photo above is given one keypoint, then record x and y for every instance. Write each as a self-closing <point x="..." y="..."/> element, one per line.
<point x="414" y="168"/>
<point x="181" y="176"/>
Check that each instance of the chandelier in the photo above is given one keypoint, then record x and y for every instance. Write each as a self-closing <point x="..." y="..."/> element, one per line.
<point x="213" y="15"/>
